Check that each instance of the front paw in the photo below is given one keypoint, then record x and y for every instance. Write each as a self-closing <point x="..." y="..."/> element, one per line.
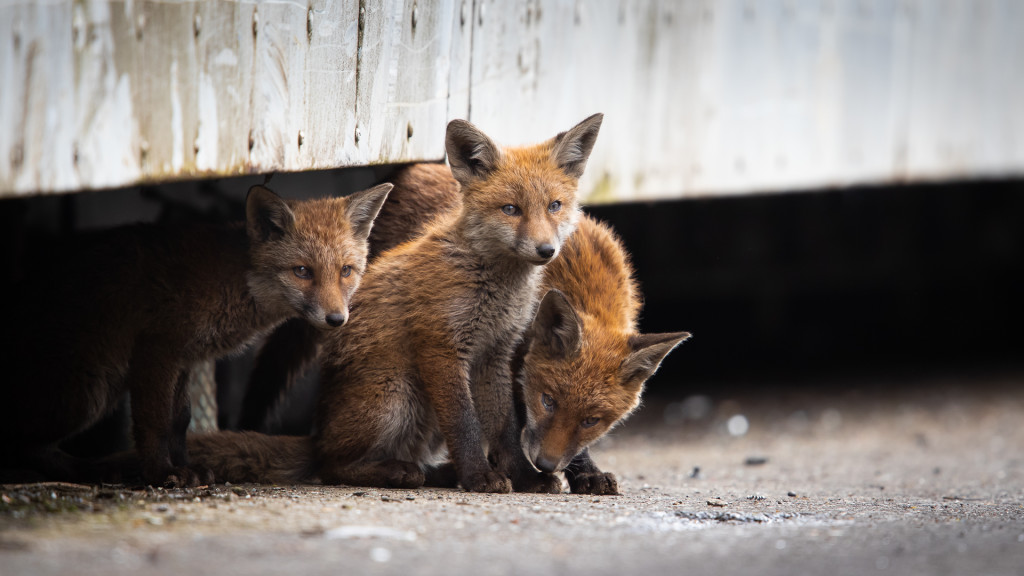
<point x="538" y="483"/>
<point x="401" y="474"/>
<point x="181" y="477"/>
<point x="599" y="483"/>
<point x="486" y="481"/>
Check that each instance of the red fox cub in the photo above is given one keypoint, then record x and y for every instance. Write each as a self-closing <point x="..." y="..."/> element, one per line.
<point x="585" y="364"/>
<point x="424" y="364"/>
<point x="134" y="308"/>
<point x="427" y="190"/>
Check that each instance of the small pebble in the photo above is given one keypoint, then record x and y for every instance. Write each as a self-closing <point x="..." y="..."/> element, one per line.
<point x="791" y="494"/>
<point x="718" y="502"/>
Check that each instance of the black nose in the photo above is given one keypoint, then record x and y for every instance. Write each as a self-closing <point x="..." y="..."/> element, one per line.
<point x="336" y="319"/>
<point x="546" y="465"/>
<point x="546" y="250"/>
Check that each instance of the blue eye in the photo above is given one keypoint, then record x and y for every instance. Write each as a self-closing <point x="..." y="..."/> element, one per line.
<point x="510" y="209"/>
<point x="555" y="206"/>
<point x="547" y="401"/>
<point x="303" y="272"/>
<point x="346" y="271"/>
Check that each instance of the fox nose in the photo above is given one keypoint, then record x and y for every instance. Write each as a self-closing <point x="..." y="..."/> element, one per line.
<point x="336" y="319"/>
<point x="545" y="250"/>
<point x="545" y="464"/>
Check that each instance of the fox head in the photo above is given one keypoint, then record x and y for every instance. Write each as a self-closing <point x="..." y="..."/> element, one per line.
<point x="578" y="381"/>
<point x="308" y="257"/>
<point x="519" y="202"/>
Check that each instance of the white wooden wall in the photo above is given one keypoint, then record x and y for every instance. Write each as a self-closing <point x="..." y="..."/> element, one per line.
<point x="702" y="97"/>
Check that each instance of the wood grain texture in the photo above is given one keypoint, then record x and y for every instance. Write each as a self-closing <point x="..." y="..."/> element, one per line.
<point x="701" y="97"/>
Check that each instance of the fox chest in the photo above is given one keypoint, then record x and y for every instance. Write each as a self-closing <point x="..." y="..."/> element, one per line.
<point x="492" y="316"/>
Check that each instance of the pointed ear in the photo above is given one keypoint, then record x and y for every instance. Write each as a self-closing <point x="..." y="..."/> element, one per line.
<point x="471" y="153"/>
<point x="572" y="148"/>
<point x="556" y="329"/>
<point x="648" y="352"/>
<point x="362" y="207"/>
<point x="267" y="216"/>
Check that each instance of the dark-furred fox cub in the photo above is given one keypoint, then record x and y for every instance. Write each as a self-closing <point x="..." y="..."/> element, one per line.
<point x="134" y="308"/>
<point x="424" y="364"/>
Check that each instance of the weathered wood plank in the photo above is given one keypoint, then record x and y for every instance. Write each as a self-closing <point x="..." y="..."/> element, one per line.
<point x="702" y="97"/>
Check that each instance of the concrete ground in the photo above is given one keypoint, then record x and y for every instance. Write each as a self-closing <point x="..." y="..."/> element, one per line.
<point x="895" y="478"/>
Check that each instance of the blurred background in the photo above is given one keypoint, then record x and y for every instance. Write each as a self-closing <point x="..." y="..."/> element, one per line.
<point x="823" y="192"/>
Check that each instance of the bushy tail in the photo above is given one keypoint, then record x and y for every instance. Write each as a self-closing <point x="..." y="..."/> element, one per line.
<point x="253" y="457"/>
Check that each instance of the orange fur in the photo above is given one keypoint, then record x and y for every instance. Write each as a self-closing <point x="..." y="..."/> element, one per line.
<point x="424" y="364"/>
<point x="586" y="364"/>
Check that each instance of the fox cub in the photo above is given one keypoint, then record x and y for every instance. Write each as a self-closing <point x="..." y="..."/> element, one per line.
<point x="427" y="190"/>
<point x="134" y="308"/>
<point x="424" y="364"/>
<point x="585" y="364"/>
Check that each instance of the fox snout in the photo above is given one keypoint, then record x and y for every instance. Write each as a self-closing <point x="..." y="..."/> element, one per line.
<point x="336" y="319"/>
<point x="546" y="464"/>
<point x="545" y="250"/>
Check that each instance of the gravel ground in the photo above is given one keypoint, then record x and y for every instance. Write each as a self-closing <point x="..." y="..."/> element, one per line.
<point x="899" y="479"/>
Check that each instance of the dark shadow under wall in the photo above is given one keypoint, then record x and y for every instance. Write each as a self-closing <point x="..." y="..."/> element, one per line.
<point x="833" y="284"/>
<point x="791" y="289"/>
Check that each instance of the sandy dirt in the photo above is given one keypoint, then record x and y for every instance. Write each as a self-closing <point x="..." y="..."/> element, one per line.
<point x="892" y="479"/>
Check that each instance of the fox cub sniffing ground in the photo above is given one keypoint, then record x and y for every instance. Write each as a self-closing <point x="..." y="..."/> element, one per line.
<point x="585" y="363"/>
<point x="134" y="308"/>
<point x="424" y="364"/>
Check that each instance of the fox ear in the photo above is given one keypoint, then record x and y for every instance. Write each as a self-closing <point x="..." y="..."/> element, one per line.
<point x="471" y="153"/>
<point x="267" y="216"/>
<point x="361" y="208"/>
<point x="556" y="328"/>
<point x="572" y="148"/>
<point x="648" y="352"/>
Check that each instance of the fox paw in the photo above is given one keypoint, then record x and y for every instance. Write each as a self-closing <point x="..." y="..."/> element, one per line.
<point x="488" y="481"/>
<point x="540" y="483"/>
<point x="183" y="477"/>
<point x="401" y="474"/>
<point x="599" y="483"/>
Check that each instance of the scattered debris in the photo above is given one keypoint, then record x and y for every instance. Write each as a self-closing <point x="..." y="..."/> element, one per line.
<point x="717" y="502"/>
<point x="734" y="517"/>
<point x="755" y="460"/>
<point x="695" y="473"/>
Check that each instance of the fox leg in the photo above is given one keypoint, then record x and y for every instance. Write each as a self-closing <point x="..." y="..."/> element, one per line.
<point x="153" y="380"/>
<point x="283" y="357"/>
<point x="586" y="478"/>
<point x="446" y="381"/>
<point x="496" y="406"/>
<point x="361" y="429"/>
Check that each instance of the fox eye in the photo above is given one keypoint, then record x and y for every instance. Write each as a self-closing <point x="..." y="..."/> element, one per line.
<point x="303" y="272"/>
<point x="555" y="206"/>
<point x="346" y="271"/>
<point x="547" y="401"/>
<point x="590" y="422"/>
<point x="510" y="209"/>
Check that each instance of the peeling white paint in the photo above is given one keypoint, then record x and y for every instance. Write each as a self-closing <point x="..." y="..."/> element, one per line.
<point x="206" y="157"/>
<point x="177" y="127"/>
<point x="708" y="97"/>
<point x="226" y="57"/>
